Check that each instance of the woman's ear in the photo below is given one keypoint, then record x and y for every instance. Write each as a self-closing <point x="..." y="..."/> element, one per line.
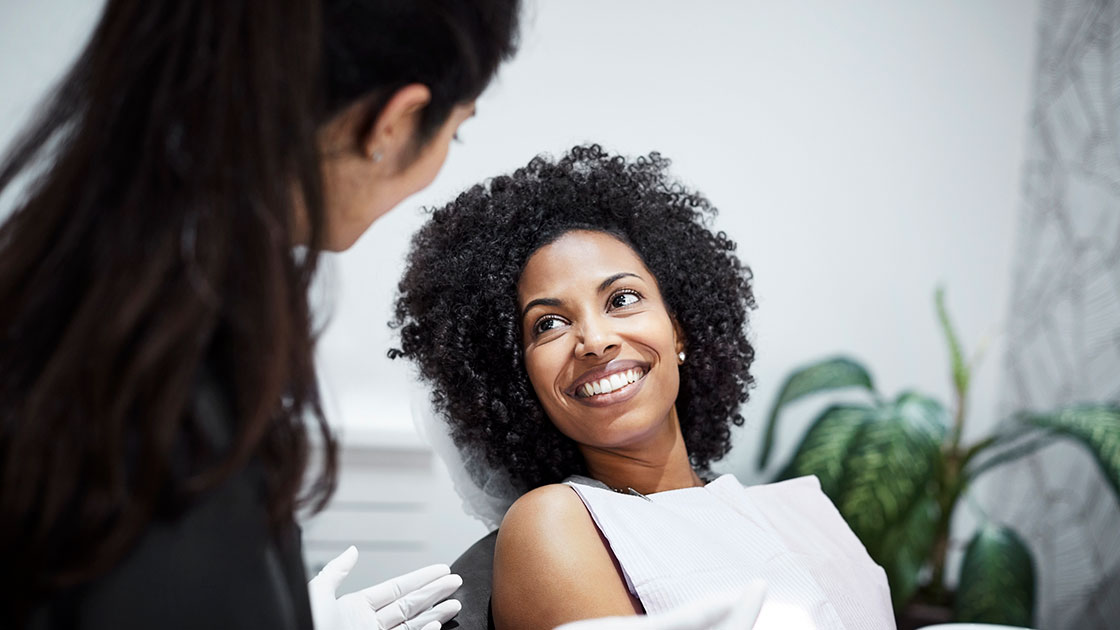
<point x="394" y="128"/>
<point x="678" y="340"/>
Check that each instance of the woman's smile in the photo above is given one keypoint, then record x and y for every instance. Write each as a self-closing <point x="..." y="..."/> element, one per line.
<point x="614" y="382"/>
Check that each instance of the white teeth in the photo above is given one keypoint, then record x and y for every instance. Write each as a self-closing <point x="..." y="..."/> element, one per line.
<point x="610" y="383"/>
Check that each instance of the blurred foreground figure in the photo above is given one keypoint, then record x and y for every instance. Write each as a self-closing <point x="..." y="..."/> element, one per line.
<point x="155" y="335"/>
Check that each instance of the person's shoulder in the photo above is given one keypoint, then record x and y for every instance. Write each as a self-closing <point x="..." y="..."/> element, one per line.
<point x="550" y="506"/>
<point x="550" y="552"/>
<point x="549" y="523"/>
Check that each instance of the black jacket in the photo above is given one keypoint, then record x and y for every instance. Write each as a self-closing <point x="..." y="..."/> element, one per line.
<point x="214" y="565"/>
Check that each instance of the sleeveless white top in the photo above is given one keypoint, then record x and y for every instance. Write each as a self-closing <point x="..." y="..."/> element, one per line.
<point x="680" y="545"/>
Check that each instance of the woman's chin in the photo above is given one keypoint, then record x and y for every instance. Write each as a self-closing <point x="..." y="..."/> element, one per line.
<point x="626" y="432"/>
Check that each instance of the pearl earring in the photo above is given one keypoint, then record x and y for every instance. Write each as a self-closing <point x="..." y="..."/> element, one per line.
<point x="375" y="156"/>
<point x="681" y="355"/>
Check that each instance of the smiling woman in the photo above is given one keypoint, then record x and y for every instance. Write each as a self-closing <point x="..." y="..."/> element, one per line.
<point x="585" y="330"/>
<point x="461" y="308"/>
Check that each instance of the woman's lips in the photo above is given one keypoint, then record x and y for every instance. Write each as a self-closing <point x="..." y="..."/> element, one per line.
<point x="609" y="383"/>
<point x="613" y="397"/>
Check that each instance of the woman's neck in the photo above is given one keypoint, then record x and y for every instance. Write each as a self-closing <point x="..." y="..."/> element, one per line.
<point x="657" y="463"/>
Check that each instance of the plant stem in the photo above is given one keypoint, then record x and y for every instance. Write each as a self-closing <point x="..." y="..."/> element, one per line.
<point x="950" y="481"/>
<point x="950" y="485"/>
<point x="958" y="420"/>
<point x="978" y="448"/>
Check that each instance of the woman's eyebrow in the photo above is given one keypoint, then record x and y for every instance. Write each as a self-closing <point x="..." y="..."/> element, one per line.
<point x="615" y="278"/>
<point x="539" y="302"/>
<point x="555" y="302"/>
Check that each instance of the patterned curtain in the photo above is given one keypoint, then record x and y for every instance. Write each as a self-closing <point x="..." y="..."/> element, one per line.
<point x="1064" y="317"/>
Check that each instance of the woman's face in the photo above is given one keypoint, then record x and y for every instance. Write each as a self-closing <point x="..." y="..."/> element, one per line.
<point x="359" y="189"/>
<point x="600" y="346"/>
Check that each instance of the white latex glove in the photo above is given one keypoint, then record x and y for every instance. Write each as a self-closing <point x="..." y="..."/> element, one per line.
<point x="407" y="602"/>
<point x="735" y="610"/>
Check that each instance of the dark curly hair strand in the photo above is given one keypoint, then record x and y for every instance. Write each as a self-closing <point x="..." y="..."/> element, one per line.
<point x="459" y="319"/>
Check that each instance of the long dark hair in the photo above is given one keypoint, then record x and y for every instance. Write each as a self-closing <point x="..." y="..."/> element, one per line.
<point x="150" y="253"/>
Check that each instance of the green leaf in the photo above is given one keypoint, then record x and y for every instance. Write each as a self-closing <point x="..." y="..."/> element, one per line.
<point x="997" y="580"/>
<point x="877" y="465"/>
<point x="825" y="375"/>
<point x="825" y="446"/>
<point x="906" y="546"/>
<point x="956" y="355"/>
<point x="1097" y="427"/>
<point x="1006" y="449"/>
<point x="891" y="465"/>
<point x="923" y="416"/>
<point x="919" y="424"/>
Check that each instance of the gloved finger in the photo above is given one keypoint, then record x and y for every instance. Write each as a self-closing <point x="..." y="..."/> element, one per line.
<point x="380" y="595"/>
<point x="409" y="605"/>
<point x="435" y="625"/>
<point x="334" y="572"/>
<point x="440" y="614"/>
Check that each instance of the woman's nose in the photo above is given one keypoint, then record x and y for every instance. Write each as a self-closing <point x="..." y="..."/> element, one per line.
<point x="596" y="338"/>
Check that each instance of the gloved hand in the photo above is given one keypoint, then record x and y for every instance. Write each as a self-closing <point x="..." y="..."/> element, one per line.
<point x="736" y="610"/>
<point x="407" y="602"/>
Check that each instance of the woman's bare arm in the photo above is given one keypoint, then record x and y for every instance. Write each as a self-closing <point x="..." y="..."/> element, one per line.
<point x="552" y="566"/>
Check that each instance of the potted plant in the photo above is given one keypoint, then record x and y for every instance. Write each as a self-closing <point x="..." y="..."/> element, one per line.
<point x="897" y="468"/>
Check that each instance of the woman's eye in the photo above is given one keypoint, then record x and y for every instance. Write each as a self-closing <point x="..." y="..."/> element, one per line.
<point x="624" y="298"/>
<point x="547" y="324"/>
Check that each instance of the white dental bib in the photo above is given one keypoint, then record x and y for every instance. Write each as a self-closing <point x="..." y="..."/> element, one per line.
<point x="680" y="545"/>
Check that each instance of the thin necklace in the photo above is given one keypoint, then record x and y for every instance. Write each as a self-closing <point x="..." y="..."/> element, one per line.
<point x="630" y="491"/>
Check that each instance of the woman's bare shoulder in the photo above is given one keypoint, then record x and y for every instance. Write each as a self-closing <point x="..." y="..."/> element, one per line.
<point x="547" y="528"/>
<point x="552" y="566"/>
<point x="541" y="506"/>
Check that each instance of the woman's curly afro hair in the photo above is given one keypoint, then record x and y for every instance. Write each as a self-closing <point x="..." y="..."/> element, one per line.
<point x="458" y="313"/>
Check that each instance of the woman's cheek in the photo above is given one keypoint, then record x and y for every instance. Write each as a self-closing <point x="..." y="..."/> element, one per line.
<point x="537" y="365"/>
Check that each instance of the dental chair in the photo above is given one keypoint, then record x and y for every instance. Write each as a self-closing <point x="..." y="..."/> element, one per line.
<point x="476" y="566"/>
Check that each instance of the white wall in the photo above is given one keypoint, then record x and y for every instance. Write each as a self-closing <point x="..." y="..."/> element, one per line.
<point x="860" y="152"/>
<point x="38" y="39"/>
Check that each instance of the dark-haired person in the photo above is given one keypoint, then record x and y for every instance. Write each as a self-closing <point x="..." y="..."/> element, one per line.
<point x="584" y="333"/>
<point x="155" y="334"/>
